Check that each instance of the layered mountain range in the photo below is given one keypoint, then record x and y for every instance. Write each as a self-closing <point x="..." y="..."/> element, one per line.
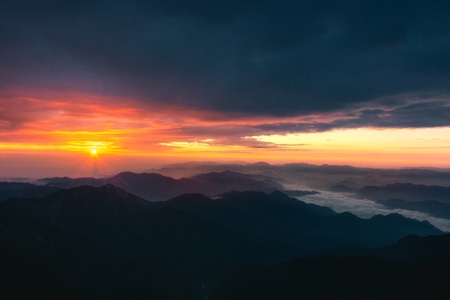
<point x="141" y="236"/>
<point x="157" y="187"/>
<point x="192" y="236"/>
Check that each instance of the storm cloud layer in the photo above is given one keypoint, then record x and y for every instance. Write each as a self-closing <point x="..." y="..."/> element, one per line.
<point x="388" y="62"/>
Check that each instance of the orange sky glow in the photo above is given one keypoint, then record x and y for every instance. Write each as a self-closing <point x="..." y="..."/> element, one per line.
<point x="51" y="135"/>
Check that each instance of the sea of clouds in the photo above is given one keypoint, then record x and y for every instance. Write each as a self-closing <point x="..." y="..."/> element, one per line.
<point x="364" y="208"/>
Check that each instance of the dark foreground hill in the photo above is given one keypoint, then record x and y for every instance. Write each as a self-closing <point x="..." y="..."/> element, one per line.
<point x="413" y="268"/>
<point x="292" y="227"/>
<point x="415" y="247"/>
<point x="200" y="233"/>
<point x="359" y="277"/>
<point x="95" y="240"/>
<point x="10" y="190"/>
<point x="131" y="228"/>
<point x="40" y="262"/>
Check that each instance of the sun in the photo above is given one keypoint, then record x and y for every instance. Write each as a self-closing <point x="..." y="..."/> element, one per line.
<point x="94" y="152"/>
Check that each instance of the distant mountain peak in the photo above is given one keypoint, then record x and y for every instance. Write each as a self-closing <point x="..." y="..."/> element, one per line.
<point x="132" y="174"/>
<point x="279" y="194"/>
<point x="83" y="196"/>
<point x="107" y="188"/>
<point x="189" y="197"/>
<point x="219" y="174"/>
<point x="245" y="194"/>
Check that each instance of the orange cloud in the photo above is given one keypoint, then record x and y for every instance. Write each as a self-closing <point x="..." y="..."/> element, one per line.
<point x="124" y="129"/>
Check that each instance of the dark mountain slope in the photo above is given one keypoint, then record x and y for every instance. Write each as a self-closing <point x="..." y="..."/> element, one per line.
<point x="38" y="261"/>
<point x="101" y="240"/>
<point x="292" y="227"/>
<point x="340" y="278"/>
<point x="131" y="228"/>
<point x="413" y="268"/>
<point x="10" y="190"/>
<point x="413" y="246"/>
<point x="67" y="182"/>
<point x="151" y="186"/>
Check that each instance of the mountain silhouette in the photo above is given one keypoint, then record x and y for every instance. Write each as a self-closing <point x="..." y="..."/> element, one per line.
<point x="155" y="187"/>
<point x="292" y="227"/>
<point x="40" y="261"/>
<point x="193" y="229"/>
<point x="214" y="183"/>
<point x="151" y="186"/>
<point x="23" y="190"/>
<point x="187" y="239"/>
<point x="407" y="192"/>
<point x="413" y="247"/>
<point x="357" y="277"/>
<point x="67" y="182"/>
<point x="434" y="208"/>
<point x="131" y="228"/>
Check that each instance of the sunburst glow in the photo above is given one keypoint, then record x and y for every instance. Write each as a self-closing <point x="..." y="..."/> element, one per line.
<point x="124" y="137"/>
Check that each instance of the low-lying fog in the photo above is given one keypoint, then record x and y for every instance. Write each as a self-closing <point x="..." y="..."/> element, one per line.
<point x="341" y="202"/>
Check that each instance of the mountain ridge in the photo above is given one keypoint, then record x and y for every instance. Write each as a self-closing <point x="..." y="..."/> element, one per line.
<point x="204" y="238"/>
<point x="99" y="211"/>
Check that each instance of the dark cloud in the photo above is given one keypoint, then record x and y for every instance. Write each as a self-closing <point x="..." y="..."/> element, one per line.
<point x="408" y="115"/>
<point x="253" y="57"/>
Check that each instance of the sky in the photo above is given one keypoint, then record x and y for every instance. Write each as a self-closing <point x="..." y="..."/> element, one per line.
<point x="144" y="83"/>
